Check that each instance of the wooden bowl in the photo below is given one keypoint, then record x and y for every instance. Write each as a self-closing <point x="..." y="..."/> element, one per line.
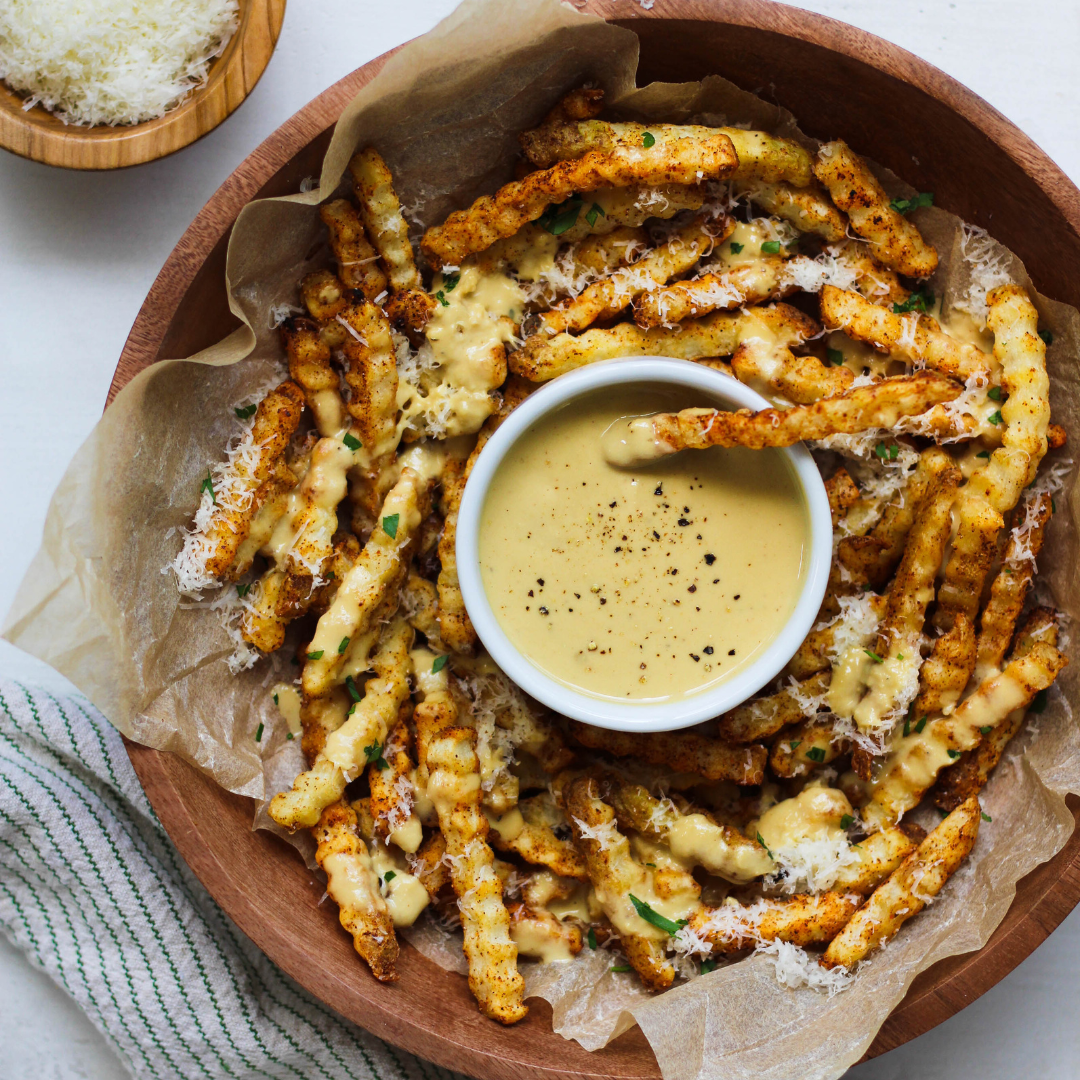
<point x="37" y="134"/>
<point x="975" y="161"/>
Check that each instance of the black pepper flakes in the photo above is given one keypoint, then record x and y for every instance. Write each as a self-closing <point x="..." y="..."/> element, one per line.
<point x="731" y="652"/>
<point x="656" y="535"/>
<point x="695" y="657"/>
<point x="692" y="588"/>
<point x="659" y="489"/>
<point x="543" y="610"/>
<point x="530" y="592"/>
<point x="737" y="595"/>
<point x="540" y="582"/>
<point x="710" y="559"/>
<point x="602" y="600"/>
<point x="612" y="505"/>
<point x="683" y="521"/>
<point x="708" y="650"/>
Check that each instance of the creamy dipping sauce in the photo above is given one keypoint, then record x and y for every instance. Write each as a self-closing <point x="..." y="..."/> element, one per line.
<point x="651" y="583"/>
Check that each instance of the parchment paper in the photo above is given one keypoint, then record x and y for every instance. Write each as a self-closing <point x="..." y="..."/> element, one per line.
<point x="95" y="604"/>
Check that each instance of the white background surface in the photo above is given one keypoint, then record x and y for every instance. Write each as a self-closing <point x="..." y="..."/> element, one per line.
<point x="78" y="253"/>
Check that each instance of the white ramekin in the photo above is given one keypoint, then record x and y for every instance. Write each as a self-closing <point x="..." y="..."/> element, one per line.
<point x="713" y="388"/>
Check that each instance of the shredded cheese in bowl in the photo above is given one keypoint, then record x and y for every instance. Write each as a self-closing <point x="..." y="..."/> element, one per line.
<point x="111" y="61"/>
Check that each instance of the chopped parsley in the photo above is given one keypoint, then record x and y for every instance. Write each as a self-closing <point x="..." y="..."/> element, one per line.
<point x="450" y="282"/>
<point x="888" y="452"/>
<point x="994" y="393"/>
<point x="246" y="412"/>
<point x="373" y="753"/>
<point x="736" y="249"/>
<point x="315" y="655"/>
<point x="984" y="454"/>
<point x="920" y="725"/>
<point x="648" y="140"/>
<point x="953" y="754"/>
<point x="794" y="743"/>
<point x="917" y="301"/>
<point x="985" y="816"/>
<point x="275" y="699"/>
<point x="986" y="730"/>
<point x="905" y="206"/>
<point x="907" y="726"/>
<point x="874" y="656"/>
<point x="389" y="875"/>
<point x="440" y="663"/>
<point x="208" y="485"/>
<point x="591" y="938"/>
<point x="770" y="247"/>
<point x="707" y="966"/>
<point x="350" y="685"/>
<point x="594" y="211"/>
<point x="441" y="297"/>
<point x="289" y="735"/>
<point x="834" y="356"/>
<point x="816" y="753"/>
<point x="243" y="590"/>
<point x="351" y="441"/>
<point x="390" y="524"/>
<point x="994" y="417"/>
<point x="344" y="644"/>
<point x="761" y="841"/>
<point x="1047" y="337"/>
<point x="1038" y="702"/>
<point x="557" y="218"/>
<point x="847" y="821"/>
<point x="621" y="967"/>
<point x="258" y="733"/>
<point x="654" y="917"/>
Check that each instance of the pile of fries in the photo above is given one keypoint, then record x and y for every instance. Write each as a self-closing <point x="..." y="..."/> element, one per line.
<point x="432" y="781"/>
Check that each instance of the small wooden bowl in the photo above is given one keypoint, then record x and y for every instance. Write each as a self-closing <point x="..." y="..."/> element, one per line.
<point x="840" y="83"/>
<point x="37" y="134"/>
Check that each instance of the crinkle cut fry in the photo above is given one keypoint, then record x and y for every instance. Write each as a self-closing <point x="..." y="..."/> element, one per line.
<point x="915" y="338"/>
<point x="372" y="378"/>
<point x="324" y="295"/>
<point x="909" y="888"/>
<point x="358" y="262"/>
<point x="343" y="752"/>
<point x="879" y="855"/>
<point x="678" y="750"/>
<point x="276" y="419"/>
<point x="719" y="334"/>
<point x="807" y="208"/>
<point x="818" y="647"/>
<point x="606" y="298"/>
<point x="843" y="493"/>
<point x="758" y="719"/>
<point x="897" y="242"/>
<point x="968" y="775"/>
<point x="310" y="368"/>
<point x="615" y="874"/>
<point x="995" y="488"/>
<point x="531" y="925"/>
<point x="721" y="849"/>
<point x="947" y="670"/>
<point x="392" y="794"/>
<point x="378" y="572"/>
<point x="353" y="885"/>
<point x="318" y="718"/>
<point x="381" y="212"/>
<point x="1010" y="587"/>
<point x="791" y="752"/>
<point x="491" y="218"/>
<point x="872" y="279"/>
<point x="761" y="156"/>
<point x="900" y="633"/>
<point x="772" y="368"/>
<point x="454" y="787"/>
<point x="877" y="406"/>
<point x="915" y="759"/>
<point x="802" y="920"/>
<point x="532" y="837"/>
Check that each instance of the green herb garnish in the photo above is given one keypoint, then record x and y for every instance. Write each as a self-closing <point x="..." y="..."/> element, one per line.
<point x="246" y="412"/>
<point x="351" y="441"/>
<point x="920" y="725"/>
<point x="994" y="393"/>
<point x="208" y="485"/>
<point x="834" y="356"/>
<point x="1047" y="337"/>
<point x="343" y="645"/>
<point x="557" y="218"/>
<point x="1038" y="702"/>
<point x="985" y="816"/>
<point x="736" y="249"/>
<point x="907" y="726"/>
<point x="707" y="966"/>
<point x="591" y="938"/>
<point x="770" y="247"/>
<point x="390" y="524"/>
<point x="984" y="454"/>
<point x="440" y="663"/>
<point x="917" y="301"/>
<point x="648" y="140"/>
<point x="994" y="417"/>
<point x="953" y="754"/>
<point x="905" y="206"/>
<point x="889" y="452"/>
<point x="986" y="730"/>
<point x="874" y="656"/>
<point x="846" y="822"/>
<point x="645" y="912"/>
<point x="315" y="655"/>
<point x="621" y="968"/>
<point x="373" y="753"/>
<point x="595" y="211"/>
<point x="794" y="743"/>
<point x="389" y="875"/>
<point x="243" y="590"/>
<point x="816" y="753"/>
<point x="450" y="282"/>
<point x="258" y="733"/>
<point x="761" y="841"/>
<point x="289" y="735"/>
<point x="441" y="297"/>
<point x="350" y="685"/>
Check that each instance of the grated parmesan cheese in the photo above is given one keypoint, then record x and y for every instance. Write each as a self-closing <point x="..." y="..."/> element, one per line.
<point x="986" y="261"/>
<point x="111" y="62"/>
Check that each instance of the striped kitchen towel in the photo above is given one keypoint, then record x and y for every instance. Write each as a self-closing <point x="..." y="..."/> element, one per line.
<point x="92" y="890"/>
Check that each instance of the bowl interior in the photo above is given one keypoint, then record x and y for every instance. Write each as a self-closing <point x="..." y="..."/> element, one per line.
<point x="708" y="387"/>
<point x="977" y="164"/>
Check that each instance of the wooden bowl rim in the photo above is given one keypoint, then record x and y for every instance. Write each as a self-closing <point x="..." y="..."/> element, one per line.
<point x="938" y="993"/>
<point x="70" y="146"/>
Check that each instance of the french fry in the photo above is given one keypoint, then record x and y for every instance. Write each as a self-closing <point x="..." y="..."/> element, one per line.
<point x="802" y="920"/>
<point x="354" y="887"/>
<point x="310" y="368"/>
<point x="492" y="217"/>
<point x="909" y="888"/>
<point x="843" y="493"/>
<point x="540" y="935"/>
<point x="773" y="369"/>
<point x="720" y="849"/>
<point x="968" y="775"/>
<point x="392" y="793"/>
<point x="615" y="874"/>
<point x="758" y="719"/>
<point x="371" y="375"/>
<point x="428" y="865"/>
<point x="807" y="208"/>
<point x="915" y="338"/>
<point x="363" y="733"/>
<point x="878" y="856"/>
<point x="454" y="787"/>
<point x="378" y="572"/>
<point x="381" y="214"/>
<point x="897" y="242"/>
<point x="947" y="670"/>
<point x="324" y="295"/>
<point x="915" y="759"/>
<point x="529" y="831"/>
<point x="818" y="648"/>
<point x="873" y="280"/>
<point x="719" y="334"/>
<point x="678" y="750"/>
<point x="879" y="405"/>
<point x="995" y="488"/>
<point x="801" y="749"/>
<point x="358" y="262"/>
<point x="609" y="296"/>
<point x="319" y="717"/>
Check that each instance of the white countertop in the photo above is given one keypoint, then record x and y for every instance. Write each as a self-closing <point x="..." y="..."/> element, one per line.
<point x="78" y="253"/>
